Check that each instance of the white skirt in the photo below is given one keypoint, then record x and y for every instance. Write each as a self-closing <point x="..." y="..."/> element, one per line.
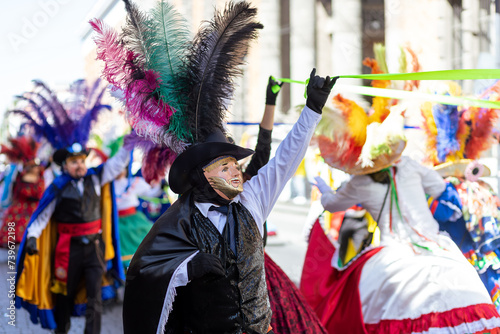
<point x="405" y="289"/>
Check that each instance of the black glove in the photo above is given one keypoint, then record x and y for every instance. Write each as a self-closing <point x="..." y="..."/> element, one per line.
<point x="270" y="95"/>
<point x="204" y="264"/>
<point x="31" y="246"/>
<point x="318" y="90"/>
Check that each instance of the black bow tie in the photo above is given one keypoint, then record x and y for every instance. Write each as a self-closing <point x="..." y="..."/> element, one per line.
<point x="222" y="209"/>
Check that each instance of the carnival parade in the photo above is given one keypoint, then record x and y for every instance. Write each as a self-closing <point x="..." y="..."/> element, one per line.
<point x="250" y="167"/>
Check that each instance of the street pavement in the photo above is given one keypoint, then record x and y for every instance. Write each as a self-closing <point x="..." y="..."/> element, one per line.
<point x="287" y="249"/>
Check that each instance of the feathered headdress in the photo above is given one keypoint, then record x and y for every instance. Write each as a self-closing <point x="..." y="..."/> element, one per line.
<point x="62" y="124"/>
<point x="351" y="140"/>
<point x="174" y="89"/>
<point x="455" y="133"/>
<point x="21" y="149"/>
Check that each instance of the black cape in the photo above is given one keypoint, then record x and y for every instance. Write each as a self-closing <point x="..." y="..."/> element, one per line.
<point x="179" y="233"/>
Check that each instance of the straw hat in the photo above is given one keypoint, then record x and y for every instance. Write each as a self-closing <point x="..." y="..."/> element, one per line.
<point x="463" y="168"/>
<point x="347" y="141"/>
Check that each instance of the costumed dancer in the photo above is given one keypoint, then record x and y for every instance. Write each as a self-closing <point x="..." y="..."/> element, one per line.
<point x="468" y="209"/>
<point x="290" y="311"/>
<point x="412" y="252"/>
<point x="386" y="289"/>
<point x="72" y="236"/>
<point x="133" y="224"/>
<point x="154" y="206"/>
<point x="26" y="187"/>
<point x="201" y="267"/>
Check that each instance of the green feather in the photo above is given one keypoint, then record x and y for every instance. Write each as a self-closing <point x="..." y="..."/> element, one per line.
<point x="402" y="61"/>
<point x="379" y="51"/>
<point x="167" y="39"/>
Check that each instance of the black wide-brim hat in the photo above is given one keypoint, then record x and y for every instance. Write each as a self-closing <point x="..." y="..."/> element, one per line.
<point x="74" y="150"/>
<point x="216" y="145"/>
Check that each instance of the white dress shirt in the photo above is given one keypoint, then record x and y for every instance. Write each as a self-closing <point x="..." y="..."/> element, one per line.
<point x="261" y="192"/>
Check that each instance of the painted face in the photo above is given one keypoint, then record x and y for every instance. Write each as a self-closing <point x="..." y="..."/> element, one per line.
<point x="224" y="175"/>
<point x="75" y="166"/>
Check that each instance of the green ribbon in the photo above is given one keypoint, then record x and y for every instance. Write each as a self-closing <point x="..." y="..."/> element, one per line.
<point x="403" y="94"/>
<point x="276" y="88"/>
<point x="394" y="199"/>
<point x="466" y="74"/>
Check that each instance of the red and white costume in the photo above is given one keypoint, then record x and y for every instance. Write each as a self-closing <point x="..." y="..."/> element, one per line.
<point x="419" y="281"/>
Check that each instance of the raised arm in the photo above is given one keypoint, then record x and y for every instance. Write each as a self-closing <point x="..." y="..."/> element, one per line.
<point x="115" y="165"/>
<point x="264" y="139"/>
<point x="262" y="191"/>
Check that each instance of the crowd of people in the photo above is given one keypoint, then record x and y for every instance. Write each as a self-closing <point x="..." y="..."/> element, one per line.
<point x="414" y="250"/>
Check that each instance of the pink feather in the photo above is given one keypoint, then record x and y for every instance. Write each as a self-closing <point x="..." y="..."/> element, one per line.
<point x="113" y="53"/>
<point x="155" y="162"/>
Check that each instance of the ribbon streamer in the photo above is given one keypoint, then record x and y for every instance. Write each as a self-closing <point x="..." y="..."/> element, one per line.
<point x="465" y="74"/>
<point x="255" y="123"/>
<point x="258" y="123"/>
<point x="403" y="94"/>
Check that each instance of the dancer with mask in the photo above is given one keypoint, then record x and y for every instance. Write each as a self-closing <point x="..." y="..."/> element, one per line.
<point x="201" y="267"/>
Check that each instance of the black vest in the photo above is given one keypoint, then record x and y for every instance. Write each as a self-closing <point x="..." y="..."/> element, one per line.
<point x="238" y="302"/>
<point x="72" y="207"/>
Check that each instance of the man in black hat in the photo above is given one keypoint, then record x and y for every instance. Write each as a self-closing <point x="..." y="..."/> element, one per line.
<point x="74" y="205"/>
<point x="201" y="267"/>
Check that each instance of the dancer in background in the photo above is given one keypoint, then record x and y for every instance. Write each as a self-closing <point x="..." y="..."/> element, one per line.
<point x="390" y="283"/>
<point x="133" y="224"/>
<point x="69" y="259"/>
<point x="468" y="209"/>
<point x="26" y="188"/>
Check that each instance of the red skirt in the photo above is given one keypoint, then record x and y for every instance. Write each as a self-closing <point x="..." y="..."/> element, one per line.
<point x="291" y="313"/>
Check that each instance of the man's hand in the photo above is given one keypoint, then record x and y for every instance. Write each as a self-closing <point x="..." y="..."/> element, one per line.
<point x="31" y="248"/>
<point x="318" y="90"/>
<point x="270" y="95"/>
<point x="204" y="264"/>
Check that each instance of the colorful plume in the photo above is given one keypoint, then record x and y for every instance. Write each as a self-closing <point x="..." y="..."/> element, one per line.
<point x="458" y="133"/>
<point x="21" y="149"/>
<point x="61" y="123"/>
<point x="174" y="89"/>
